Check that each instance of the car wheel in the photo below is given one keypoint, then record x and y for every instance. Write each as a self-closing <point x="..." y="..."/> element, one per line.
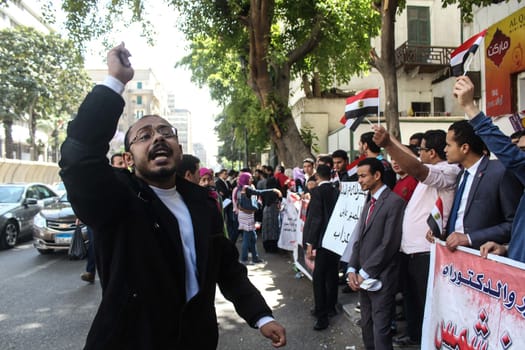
<point x="9" y="235"/>
<point x="45" y="251"/>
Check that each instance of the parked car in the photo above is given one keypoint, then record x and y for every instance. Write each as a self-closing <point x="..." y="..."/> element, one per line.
<point x="54" y="227"/>
<point x="19" y="204"/>
<point x="59" y="188"/>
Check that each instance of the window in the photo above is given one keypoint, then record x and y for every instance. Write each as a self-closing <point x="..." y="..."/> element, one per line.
<point x="421" y="109"/>
<point x="139" y="114"/>
<point x="418" y="25"/>
<point x="139" y="85"/>
<point x="139" y="100"/>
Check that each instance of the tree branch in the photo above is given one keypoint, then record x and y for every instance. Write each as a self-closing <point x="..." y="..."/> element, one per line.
<point x="309" y="45"/>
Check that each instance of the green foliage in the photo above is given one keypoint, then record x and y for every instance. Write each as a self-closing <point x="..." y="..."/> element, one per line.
<point x="310" y="139"/>
<point x="41" y="77"/>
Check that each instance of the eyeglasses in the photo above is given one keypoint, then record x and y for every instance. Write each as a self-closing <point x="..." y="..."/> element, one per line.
<point x="419" y="149"/>
<point x="145" y="133"/>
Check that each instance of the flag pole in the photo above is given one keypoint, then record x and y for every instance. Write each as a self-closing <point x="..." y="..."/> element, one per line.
<point x="378" y="108"/>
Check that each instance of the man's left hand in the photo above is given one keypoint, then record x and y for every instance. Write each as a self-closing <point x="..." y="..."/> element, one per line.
<point x="275" y="332"/>
<point x="456" y="239"/>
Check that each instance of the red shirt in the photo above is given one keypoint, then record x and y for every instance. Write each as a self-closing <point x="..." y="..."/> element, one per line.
<point x="405" y="187"/>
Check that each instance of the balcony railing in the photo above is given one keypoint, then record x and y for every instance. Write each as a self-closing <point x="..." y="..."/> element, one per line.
<point x="428" y="59"/>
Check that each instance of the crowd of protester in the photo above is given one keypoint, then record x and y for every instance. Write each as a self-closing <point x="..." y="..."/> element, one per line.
<point x="389" y="250"/>
<point x="480" y="197"/>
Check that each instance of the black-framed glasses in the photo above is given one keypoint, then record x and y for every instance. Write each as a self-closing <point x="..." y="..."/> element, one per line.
<point x="419" y="149"/>
<point x="145" y="133"/>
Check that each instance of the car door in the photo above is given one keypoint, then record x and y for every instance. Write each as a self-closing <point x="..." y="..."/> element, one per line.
<point x="28" y="209"/>
<point x="46" y="195"/>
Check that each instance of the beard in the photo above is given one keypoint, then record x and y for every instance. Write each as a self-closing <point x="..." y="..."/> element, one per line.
<point x="159" y="175"/>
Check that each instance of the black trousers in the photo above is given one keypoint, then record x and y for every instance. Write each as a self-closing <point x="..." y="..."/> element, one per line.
<point x="325" y="281"/>
<point x="414" y="268"/>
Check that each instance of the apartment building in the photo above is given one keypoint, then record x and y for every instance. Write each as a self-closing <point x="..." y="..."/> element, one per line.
<point x="425" y="34"/>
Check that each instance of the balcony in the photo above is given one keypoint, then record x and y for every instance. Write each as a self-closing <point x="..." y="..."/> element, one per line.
<point x="424" y="59"/>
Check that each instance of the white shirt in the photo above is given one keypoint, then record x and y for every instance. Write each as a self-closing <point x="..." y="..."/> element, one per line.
<point x="440" y="181"/>
<point x="464" y="198"/>
<point x="174" y="202"/>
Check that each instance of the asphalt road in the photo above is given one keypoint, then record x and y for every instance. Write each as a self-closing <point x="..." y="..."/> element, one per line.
<point x="45" y="305"/>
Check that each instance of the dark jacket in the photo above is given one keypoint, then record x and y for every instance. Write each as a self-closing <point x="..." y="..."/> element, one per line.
<point x="139" y="250"/>
<point x="320" y="208"/>
<point x="491" y="204"/>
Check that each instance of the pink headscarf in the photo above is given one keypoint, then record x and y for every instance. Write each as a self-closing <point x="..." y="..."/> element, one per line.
<point x="205" y="171"/>
<point x="244" y="179"/>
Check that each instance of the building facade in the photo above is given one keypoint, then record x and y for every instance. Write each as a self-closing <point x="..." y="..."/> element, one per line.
<point x="425" y="36"/>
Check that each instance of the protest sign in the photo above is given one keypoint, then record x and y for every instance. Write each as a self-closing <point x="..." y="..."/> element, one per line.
<point x="473" y="303"/>
<point x="344" y="217"/>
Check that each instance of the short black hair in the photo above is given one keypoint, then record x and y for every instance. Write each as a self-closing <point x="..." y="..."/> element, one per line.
<point x="367" y="138"/>
<point x="324" y="172"/>
<point x="417" y="136"/>
<point x="340" y="154"/>
<point x="327" y="160"/>
<point x="188" y="162"/>
<point x="375" y="166"/>
<point x="115" y="155"/>
<point x="436" y="140"/>
<point x="464" y="133"/>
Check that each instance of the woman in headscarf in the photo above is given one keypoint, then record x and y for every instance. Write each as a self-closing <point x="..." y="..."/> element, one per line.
<point x="245" y="204"/>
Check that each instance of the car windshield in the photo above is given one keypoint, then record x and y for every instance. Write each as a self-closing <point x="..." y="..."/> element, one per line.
<point x="11" y="194"/>
<point x="64" y="198"/>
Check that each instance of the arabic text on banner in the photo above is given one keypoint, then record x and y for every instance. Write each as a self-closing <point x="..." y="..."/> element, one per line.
<point x="473" y="303"/>
<point x="344" y="217"/>
<point x="288" y="238"/>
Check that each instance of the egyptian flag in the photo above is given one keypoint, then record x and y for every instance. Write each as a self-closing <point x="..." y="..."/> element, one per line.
<point x="351" y="168"/>
<point x="460" y="55"/>
<point x="435" y="219"/>
<point x="359" y="106"/>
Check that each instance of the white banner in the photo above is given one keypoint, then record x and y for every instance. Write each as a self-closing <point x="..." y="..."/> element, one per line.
<point x="344" y="217"/>
<point x="473" y="303"/>
<point x="289" y="228"/>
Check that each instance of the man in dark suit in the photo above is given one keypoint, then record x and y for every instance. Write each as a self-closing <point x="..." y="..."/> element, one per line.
<point x="326" y="272"/>
<point x="487" y="194"/>
<point x="373" y="266"/>
<point x="159" y="239"/>
<point x="225" y="191"/>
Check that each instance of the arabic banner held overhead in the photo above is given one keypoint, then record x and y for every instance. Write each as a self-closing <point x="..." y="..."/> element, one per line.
<point x="473" y="303"/>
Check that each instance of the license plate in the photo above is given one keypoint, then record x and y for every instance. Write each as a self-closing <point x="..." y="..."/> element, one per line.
<point x="63" y="238"/>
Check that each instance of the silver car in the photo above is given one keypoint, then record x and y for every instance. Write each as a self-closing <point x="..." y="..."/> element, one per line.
<point x="54" y="227"/>
<point x="19" y="204"/>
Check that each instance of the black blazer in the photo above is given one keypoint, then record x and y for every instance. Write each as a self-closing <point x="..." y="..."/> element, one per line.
<point x="223" y="188"/>
<point x="491" y="204"/>
<point x="378" y="241"/>
<point x="138" y="246"/>
<point x="322" y="203"/>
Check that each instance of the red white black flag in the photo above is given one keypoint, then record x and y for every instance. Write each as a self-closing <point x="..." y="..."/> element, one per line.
<point x="359" y="106"/>
<point x="460" y="55"/>
<point x="435" y="219"/>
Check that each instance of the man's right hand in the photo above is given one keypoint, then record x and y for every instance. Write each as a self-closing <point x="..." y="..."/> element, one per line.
<point x="464" y="92"/>
<point x="381" y="136"/>
<point x="119" y="66"/>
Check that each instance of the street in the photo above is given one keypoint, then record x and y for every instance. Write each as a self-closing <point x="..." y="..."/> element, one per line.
<point x="45" y="305"/>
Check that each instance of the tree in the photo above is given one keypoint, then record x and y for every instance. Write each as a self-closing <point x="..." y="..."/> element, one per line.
<point x="42" y="78"/>
<point x="274" y="41"/>
<point x="385" y="63"/>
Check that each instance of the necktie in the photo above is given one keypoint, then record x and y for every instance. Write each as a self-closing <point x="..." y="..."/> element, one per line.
<point x="457" y="201"/>
<point x="370" y="209"/>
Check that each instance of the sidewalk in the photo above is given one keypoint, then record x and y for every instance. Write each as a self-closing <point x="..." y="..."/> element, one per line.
<point x="291" y="299"/>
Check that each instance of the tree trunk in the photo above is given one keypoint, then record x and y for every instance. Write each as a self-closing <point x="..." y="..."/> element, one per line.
<point x="9" y="147"/>
<point x="32" y="136"/>
<point x="271" y="84"/>
<point x="386" y="65"/>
